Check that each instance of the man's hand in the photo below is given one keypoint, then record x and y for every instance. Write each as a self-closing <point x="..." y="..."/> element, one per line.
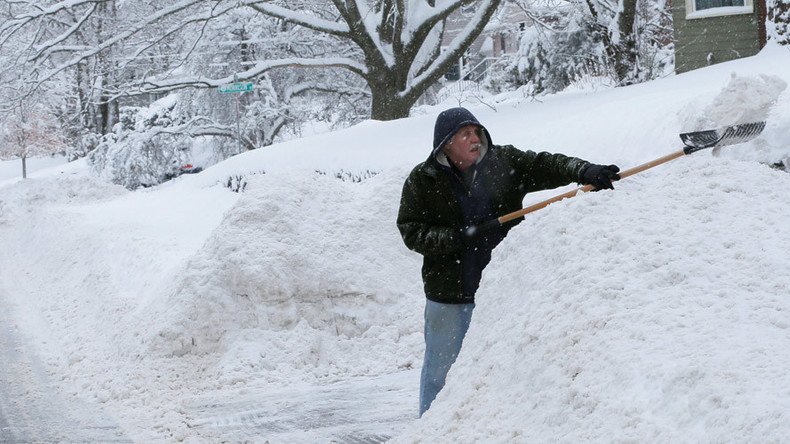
<point x="473" y="233"/>
<point x="600" y="176"/>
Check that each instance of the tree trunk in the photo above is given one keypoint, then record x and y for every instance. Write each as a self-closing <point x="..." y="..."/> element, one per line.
<point x="104" y="113"/>
<point x="24" y="167"/>
<point x="626" y="51"/>
<point x="388" y="105"/>
<point x="108" y="107"/>
<point x="109" y="112"/>
<point x="621" y="54"/>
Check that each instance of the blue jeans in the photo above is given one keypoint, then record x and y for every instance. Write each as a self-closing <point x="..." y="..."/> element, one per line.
<point x="445" y="328"/>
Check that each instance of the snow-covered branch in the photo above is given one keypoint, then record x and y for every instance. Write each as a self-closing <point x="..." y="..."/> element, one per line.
<point x="17" y="22"/>
<point x="300" y="18"/>
<point x="260" y="68"/>
<point x="46" y="48"/>
<point x="454" y="50"/>
<point x="118" y="37"/>
<point x="422" y="26"/>
<point x="113" y="49"/>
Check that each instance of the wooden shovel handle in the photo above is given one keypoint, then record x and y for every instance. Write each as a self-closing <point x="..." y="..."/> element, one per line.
<point x="629" y="172"/>
<point x="652" y="163"/>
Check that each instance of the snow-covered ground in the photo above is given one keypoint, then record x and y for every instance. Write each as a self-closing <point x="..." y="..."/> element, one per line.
<point x="11" y="170"/>
<point x="292" y="312"/>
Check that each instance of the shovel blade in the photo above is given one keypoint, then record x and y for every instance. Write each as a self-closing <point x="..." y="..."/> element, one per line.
<point x="729" y="135"/>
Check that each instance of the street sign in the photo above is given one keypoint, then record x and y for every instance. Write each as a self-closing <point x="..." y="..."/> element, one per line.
<point x="238" y="87"/>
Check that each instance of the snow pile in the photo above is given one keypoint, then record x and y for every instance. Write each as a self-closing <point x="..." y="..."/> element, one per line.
<point x="773" y="145"/>
<point x="745" y="99"/>
<point x="666" y="322"/>
<point x="26" y="196"/>
<point x="278" y="286"/>
<point x="594" y="328"/>
<point x="38" y="192"/>
<point x="80" y="258"/>
<point x="296" y="280"/>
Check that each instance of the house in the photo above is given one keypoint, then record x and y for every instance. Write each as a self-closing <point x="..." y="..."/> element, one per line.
<point x="499" y="37"/>
<point x="714" y="31"/>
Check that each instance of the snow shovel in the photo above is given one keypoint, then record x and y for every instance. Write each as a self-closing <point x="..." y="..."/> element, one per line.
<point x="695" y="141"/>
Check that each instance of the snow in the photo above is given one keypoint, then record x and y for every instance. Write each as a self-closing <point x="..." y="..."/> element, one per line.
<point x="673" y="328"/>
<point x="292" y="312"/>
<point x="304" y="17"/>
<point x="12" y="169"/>
<point x="744" y="100"/>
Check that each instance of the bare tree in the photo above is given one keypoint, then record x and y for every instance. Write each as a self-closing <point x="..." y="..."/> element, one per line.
<point x="399" y="42"/>
<point x="393" y="45"/>
<point x="84" y="48"/>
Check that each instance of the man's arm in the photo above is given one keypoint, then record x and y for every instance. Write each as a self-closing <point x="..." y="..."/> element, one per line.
<point x="419" y="232"/>
<point x="541" y="171"/>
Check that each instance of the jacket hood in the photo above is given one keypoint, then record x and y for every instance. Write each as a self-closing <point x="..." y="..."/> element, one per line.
<point x="449" y="122"/>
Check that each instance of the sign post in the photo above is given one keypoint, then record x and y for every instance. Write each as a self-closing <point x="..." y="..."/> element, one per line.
<point x="232" y="88"/>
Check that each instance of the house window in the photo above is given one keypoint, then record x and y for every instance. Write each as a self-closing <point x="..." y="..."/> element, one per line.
<point x="699" y="5"/>
<point x="697" y="9"/>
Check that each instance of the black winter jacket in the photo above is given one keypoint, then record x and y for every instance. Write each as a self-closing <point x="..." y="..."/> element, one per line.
<point x="436" y="204"/>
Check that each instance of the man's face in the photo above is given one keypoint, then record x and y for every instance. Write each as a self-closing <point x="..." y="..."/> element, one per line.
<point x="463" y="149"/>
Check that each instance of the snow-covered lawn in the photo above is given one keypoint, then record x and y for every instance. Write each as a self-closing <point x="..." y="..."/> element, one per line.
<point x="292" y="312"/>
<point x="11" y="170"/>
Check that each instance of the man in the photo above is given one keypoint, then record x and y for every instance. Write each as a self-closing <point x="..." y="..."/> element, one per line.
<point x="448" y="212"/>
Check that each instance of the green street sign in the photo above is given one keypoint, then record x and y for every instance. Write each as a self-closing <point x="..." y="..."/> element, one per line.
<point x="238" y="87"/>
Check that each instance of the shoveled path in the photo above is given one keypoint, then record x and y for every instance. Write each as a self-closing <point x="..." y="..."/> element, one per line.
<point x="359" y="410"/>
<point x="32" y="409"/>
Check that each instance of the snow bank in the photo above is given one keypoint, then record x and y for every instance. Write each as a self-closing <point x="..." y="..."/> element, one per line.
<point x="34" y="193"/>
<point x="278" y="287"/>
<point x="654" y="313"/>
<point x="79" y="258"/>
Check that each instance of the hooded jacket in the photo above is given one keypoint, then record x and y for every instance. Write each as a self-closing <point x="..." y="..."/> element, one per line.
<point x="438" y="202"/>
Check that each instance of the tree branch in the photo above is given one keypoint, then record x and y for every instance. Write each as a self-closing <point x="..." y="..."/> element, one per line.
<point x="421" y="32"/>
<point x="10" y="27"/>
<point x="359" y="33"/>
<point x="183" y="5"/>
<point x="397" y="31"/>
<point x="47" y="48"/>
<point x="149" y="86"/>
<point x="314" y="23"/>
<point x="454" y="51"/>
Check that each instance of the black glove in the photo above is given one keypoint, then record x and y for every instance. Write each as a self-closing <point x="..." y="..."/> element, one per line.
<point x="473" y="233"/>
<point x="599" y="176"/>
